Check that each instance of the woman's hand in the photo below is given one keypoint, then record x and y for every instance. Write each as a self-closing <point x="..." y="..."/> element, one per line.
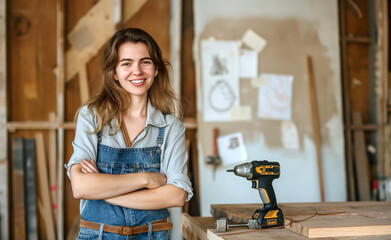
<point x="89" y="166"/>
<point x="155" y="179"/>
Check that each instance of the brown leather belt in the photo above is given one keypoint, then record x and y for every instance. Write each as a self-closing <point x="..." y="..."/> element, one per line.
<point x="160" y="225"/>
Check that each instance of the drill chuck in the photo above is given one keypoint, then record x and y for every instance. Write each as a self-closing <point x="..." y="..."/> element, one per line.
<point x="243" y="170"/>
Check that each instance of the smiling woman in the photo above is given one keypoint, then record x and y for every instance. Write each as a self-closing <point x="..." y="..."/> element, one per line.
<point x="129" y="159"/>
<point x="135" y="70"/>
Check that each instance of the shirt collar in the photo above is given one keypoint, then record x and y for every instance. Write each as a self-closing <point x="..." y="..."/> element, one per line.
<point x="155" y="117"/>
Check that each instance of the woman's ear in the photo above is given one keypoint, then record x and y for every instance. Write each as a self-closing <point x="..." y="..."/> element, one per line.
<point x="115" y="77"/>
<point x="156" y="72"/>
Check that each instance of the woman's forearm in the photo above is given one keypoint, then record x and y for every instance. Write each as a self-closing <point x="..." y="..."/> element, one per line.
<point x="151" y="199"/>
<point x="101" y="186"/>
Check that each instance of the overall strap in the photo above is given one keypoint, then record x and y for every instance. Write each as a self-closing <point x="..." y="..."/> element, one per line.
<point x="99" y="138"/>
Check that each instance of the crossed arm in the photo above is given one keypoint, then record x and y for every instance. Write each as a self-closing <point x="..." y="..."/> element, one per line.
<point x="88" y="183"/>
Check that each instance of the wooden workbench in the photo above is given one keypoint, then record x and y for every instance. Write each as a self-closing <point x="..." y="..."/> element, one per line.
<point x="343" y="220"/>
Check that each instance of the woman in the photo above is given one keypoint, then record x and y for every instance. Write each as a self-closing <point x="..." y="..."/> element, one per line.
<point x="129" y="159"/>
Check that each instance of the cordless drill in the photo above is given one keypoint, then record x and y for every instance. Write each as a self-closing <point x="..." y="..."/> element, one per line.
<point x="262" y="173"/>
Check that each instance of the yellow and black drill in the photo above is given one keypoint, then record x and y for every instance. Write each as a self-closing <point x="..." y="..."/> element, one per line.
<point x="262" y="173"/>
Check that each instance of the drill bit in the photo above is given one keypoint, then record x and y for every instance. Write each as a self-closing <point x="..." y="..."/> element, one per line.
<point x="231" y="170"/>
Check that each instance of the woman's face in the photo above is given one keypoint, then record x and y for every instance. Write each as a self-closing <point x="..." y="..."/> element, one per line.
<point x="135" y="70"/>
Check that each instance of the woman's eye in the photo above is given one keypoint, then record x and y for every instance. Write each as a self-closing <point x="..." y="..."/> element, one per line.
<point x="125" y="64"/>
<point x="146" y="62"/>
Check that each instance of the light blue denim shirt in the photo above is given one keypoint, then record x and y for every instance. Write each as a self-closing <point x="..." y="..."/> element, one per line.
<point x="173" y="157"/>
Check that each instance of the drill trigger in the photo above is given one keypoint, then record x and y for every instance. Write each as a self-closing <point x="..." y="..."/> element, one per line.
<point x="264" y="196"/>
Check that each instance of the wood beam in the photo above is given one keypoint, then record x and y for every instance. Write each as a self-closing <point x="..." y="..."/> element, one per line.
<point x="4" y="214"/>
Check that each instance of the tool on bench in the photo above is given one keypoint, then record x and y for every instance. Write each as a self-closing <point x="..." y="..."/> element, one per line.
<point x="215" y="159"/>
<point x="222" y="225"/>
<point x="262" y="174"/>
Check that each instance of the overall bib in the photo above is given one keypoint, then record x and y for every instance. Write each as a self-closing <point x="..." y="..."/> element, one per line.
<point x="121" y="161"/>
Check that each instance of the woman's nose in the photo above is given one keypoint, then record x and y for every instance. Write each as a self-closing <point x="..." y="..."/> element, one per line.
<point x="136" y="68"/>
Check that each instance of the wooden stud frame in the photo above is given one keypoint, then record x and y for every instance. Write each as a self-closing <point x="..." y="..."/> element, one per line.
<point x="60" y="79"/>
<point x="58" y="124"/>
<point x="4" y="214"/>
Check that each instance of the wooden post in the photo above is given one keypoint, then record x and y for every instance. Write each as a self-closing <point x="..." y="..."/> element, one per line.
<point x="175" y="45"/>
<point x="60" y="88"/>
<point x="4" y="219"/>
<point x="361" y="160"/>
<point x="315" y="122"/>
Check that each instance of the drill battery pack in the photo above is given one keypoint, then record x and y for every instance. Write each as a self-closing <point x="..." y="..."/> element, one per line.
<point x="269" y="217"/>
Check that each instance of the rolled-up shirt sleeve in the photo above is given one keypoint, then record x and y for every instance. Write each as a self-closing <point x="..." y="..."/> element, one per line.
<point x="175" y="157"/>
<point x="85" y="142"/>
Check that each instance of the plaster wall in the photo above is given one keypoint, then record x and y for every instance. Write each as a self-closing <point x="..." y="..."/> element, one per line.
<point x="294" y="29"/>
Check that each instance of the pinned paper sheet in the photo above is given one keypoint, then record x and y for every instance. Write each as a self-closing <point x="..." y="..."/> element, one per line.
<point x="274" y="100"/>
<point x="231" y="148"/>
<point x="254" y="41"/>
<point x="241" y="113"/>
<point x="220" y="79"/>
<point x="290" y="135"/>
<point x="261" y="81"/>
<point x="248" y="63"/>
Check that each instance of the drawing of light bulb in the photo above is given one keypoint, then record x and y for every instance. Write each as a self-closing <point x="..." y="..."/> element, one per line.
<point x="221" y="97"/>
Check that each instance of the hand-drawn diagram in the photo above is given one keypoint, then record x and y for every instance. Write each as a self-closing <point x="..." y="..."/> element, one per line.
<point x="275" y="97"/>
<point x="221" y="97"/>
<point x="232" y="149"/>
<point x="220" y="78"/>
<point x="219" y="66"/>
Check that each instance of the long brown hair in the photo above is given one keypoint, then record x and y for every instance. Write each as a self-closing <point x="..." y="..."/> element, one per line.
<point x="112" y="100"/>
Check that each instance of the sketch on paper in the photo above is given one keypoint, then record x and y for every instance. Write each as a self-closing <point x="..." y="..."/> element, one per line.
<point x="221" y="97"/>
<point x="219" y="66"/>
<point x="232" y="149"/>
<point x="275" y="97"/>
<point x="220" y="79"/>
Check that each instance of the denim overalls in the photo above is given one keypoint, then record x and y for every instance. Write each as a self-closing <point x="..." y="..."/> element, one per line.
<point x="120" y="161"/>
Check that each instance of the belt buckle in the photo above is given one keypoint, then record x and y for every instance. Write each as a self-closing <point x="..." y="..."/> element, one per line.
<point x="121" y="230"/>
<point x="124" y="230"/>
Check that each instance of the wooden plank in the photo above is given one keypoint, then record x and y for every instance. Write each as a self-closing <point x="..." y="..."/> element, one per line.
<point x="203" y="228"/>
<point x="59" y="149"/>
<point x="19" y="223"/>
<point x="346" y="100"/>
<point x="146" y="18"/>
<point x="245" y="234"/>
<point x="193" y="228"/>
<point x="4" y="231"/>
<point x="44" y="201"/>
<point x="315" y="122"/>
<point x="3" y="82"/>
<point x="38" y="125"/>
<point x="32" y="32"/>
<point x="361" y="161"/>
<point x="53" y="167"/>
<point x="4" y="219"/>
<point x="89" y="35"/>
<point x="335" y="219"/>
<point x="30" y="185"/>
<point x="175" y="46"/>
<point x="130" y="8"/>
